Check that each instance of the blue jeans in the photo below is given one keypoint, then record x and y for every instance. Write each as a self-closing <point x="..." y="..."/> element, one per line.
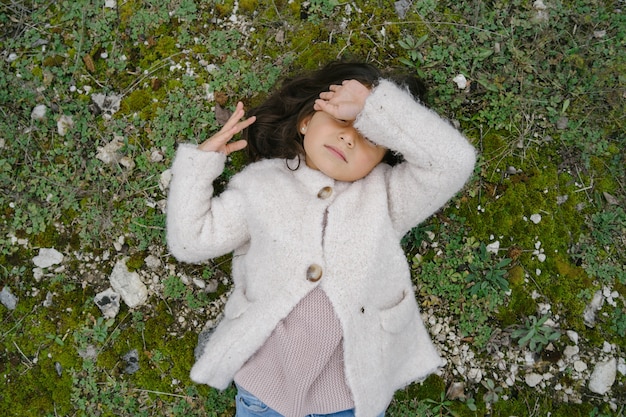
<point x="250" y="406"/>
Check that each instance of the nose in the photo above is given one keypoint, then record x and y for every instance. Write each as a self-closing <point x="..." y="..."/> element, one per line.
<point x="348" y="138"/>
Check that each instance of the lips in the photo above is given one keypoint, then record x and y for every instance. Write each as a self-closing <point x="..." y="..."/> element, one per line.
<point x="337" y="152"/>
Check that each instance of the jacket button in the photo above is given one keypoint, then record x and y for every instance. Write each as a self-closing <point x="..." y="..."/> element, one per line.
<point x="314" y="273"/>
<point x="325" y="193"/>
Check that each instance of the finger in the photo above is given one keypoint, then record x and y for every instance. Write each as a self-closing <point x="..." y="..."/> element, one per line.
<point x="235" y="117"/>
<point x="235" y="146"/>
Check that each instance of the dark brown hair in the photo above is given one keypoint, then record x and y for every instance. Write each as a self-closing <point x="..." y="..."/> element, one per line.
<point x="275" y="133"/>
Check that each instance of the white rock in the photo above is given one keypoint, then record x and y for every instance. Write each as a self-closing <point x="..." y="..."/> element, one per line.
<point x="589" y="315"/>
<point x="108" y="105"/>
<point x="39" y="112"/>
<point x="580" y="366"/>
<point x="570" y="351"/>
<point x="12" y="57"/>
<point x="606" y="347"/>
<point x="128" y="285"/>
<point x="38" y="274"/>
<point x="533" y="379"/>
<point x="475" y="375"/>
<point x="621" y="366"/>
<point x="164" y="179"/>
<point x="8" y="299"/>
<point x="573" y="336"/>
<point x="535" y="218"/>
<point x="156" y="156"/>
<point x="493" y="247"/>
<point x="108" y="301"/>
<point x="461" y="81"/>
<point x="109" y="152"/>
<point x="47" y="257"/>
<point x="110" y="4"/>
<point x="539" y="5"/>
<point x="64" y="124"/>
<point x="603" y="376"/>
<point x="152" y="262"/>
<point x="199" y="283"/>
<point x="127" y="162"/>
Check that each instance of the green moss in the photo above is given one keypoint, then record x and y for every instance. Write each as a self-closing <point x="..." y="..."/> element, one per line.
<point x="136" y="261"/>
<point x="520" y="306"/>
<point x="136" y="101"/>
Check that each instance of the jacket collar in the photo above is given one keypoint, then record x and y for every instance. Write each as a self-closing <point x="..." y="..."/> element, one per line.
<point x="314" y="180"/>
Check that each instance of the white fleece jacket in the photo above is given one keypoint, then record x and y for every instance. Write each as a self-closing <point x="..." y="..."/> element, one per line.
<point x="278" y="227"/>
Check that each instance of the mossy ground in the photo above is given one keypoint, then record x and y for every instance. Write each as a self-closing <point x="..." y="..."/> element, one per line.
<point x="544" y="107"/>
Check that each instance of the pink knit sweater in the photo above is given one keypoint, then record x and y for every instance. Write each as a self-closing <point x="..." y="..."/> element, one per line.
<point x="300" y="370"/>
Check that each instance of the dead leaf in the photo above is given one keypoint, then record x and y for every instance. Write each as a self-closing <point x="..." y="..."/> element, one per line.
<point x="220" y="98"/>
<point x="611" y="199"/>
<point x="88" y="60"/>
<point x="221" y="114"/>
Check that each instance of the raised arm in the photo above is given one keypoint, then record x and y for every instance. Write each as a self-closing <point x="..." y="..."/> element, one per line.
<point x="199" y="225"/>
<point x="438" y="159"/>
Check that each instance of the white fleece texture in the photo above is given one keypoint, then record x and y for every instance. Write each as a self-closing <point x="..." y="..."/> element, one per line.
<point x="277" y="226"/>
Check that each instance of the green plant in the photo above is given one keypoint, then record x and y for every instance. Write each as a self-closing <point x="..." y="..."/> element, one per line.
<point x="413" y="47"/>
<point x="320" y="9"/>
<point x="173" y="288"/>
<point x="441" y="407"/>
<point x="485" y="276"/>
<point x="493" y="392"/>
<point x="535" y="333"/>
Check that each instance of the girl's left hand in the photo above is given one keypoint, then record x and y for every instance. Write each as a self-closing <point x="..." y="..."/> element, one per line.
<point x="343" y="101"/>
<point x="220" y="141"/>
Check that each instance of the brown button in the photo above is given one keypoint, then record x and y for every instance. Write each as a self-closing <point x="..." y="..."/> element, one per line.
<point x="314" y="273"/>
<point x="325" y="193"/>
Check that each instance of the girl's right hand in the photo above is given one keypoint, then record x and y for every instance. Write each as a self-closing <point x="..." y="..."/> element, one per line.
<point x="220" y="141"/>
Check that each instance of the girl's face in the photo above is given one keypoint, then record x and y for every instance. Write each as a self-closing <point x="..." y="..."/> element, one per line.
<point x="337" y="149"/>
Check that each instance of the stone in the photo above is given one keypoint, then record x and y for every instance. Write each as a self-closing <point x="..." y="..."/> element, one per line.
<point x="573" y="336"/>
<point x="580" y="366"/>
<point x="39" y="112"/>
<point x="106" y="104"/>
<point x="475" y="375"/>
<point x="589" y="315"/>
<point x="128" y="285"/>
<point x="402" y="7"/>
<point x="8" y="299"/>
<point x="64" y="124"/>
<point x="456" y="391"/>
<point x="132" y="361"/>
<point x="199" y="283"/>
<point x="570" y="351"/>
<point x="460" y="81"/>
<point x="533" y="379"/>
<point x="152" y="262"/>
<point x="47" y="257"/>
<point x="493" y="247"/>
<point x="603" y="376"/>
<point x="108" y="301"/>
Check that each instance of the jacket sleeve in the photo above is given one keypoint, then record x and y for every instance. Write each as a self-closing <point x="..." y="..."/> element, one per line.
<point x="438" y="160"/>
<point x="199" y="225"/>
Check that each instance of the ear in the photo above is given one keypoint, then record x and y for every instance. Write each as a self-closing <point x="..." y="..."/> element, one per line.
<point x="304" y="124"/>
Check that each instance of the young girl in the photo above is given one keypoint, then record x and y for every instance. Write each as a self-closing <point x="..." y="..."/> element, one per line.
<point x="322" y="319"/>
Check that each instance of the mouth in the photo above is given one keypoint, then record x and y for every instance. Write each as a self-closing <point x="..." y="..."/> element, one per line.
<point x="337" y="152"/>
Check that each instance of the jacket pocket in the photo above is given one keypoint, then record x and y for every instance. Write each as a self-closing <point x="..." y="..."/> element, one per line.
<point x="237" y="304"/>
<point x="396" y="318"/>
